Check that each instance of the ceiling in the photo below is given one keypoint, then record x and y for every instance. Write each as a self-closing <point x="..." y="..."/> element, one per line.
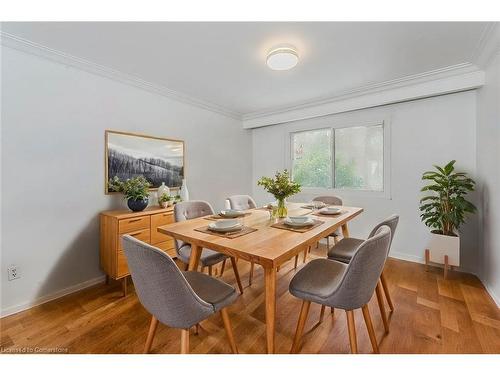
<point x="224" y="63"/>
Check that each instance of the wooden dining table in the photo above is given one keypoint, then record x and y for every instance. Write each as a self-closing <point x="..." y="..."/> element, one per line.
<point x="268" y="246"/>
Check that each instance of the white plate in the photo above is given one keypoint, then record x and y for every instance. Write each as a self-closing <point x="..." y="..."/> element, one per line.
<point x="330" y="211"/>
<point x="225" y="229"/>
<point x="298" y="219"/>
<point x="307" y="223"/>
<point x="232" y="213"/>
<point x="225" y="223"/>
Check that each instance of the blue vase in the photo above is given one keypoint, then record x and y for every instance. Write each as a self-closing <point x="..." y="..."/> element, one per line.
<point x="138" y="205"/>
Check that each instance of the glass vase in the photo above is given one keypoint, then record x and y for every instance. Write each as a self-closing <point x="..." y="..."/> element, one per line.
<point x="281" y="211"/>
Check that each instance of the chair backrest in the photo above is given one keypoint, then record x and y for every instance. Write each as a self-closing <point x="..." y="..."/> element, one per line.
<point x="363" y="271"/>
<point x="329" y="199"/>
<point x="161" y="287"/>
<point x="391" y="222"/>
<point x="241" y="202"/>
<point x="190" y="210"/>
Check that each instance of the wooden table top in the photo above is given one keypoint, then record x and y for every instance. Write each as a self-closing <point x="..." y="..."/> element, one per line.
<point x="268" y="246"/>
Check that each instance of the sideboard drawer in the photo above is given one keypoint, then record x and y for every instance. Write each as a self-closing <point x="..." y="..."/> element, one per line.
<point x="142" y="235"/>
<point x="133" y="224"/>
<point x="121" y="265"/>
<point x="157" y="221"/>
<point x="165" y="245"/>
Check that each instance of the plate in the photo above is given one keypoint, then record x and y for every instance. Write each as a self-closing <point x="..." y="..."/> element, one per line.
<point x="231" y="213"/>
<point x="298" y="219"/>
<point x="307" y="223"/>
<point x="330" y="211"/>
<point x="234" y="228"/>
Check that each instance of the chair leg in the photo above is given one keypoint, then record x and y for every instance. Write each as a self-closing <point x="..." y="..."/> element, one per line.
<point x="210" y="270"/>
<point x="186" y="266"/>
<point x="305" y="254"/>
<point x="332" y="310"/>
<point x="322" y="313"/>
<point x="369" y="327"/>
<point x="352" y="331"/>
<point x="229" y="330"/>
<point x="185" y="341"/>
<point x="197" y="329"/>
<point x="151" y="334"/>
<point x="380" y="300"/>
<point x="236" y="274"/>
<point x="327" y="243"/>
<point x="304" y="311"/>
<point x="250" y="276"/>
<point x="222" y="267"/>
<point x="296" y="261"/>
<point x="386" y="291"/>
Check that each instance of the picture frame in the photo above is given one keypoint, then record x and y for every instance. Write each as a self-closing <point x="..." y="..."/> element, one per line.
<point x="158" y="159"/>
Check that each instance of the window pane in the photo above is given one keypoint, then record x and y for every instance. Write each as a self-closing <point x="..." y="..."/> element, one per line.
<point x="312" y="158"/>
<point x="359" y="158"/>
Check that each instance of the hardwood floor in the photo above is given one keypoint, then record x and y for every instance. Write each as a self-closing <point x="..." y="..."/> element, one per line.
<point x="432" y="315"/>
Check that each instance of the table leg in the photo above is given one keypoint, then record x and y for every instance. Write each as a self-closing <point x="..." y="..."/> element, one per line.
<point x="270" y="278"/>
<point x="345" y="230"/>
<point x="194" y="259"/>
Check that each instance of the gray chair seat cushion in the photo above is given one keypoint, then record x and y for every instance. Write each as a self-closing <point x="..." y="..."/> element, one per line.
<point x="318" y="280"/>
<point x="213" y="291"/>
<point x="344" y="249"/>
<point x="208" y="257"/>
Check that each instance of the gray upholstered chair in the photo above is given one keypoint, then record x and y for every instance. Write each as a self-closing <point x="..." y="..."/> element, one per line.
<point x="345" y="249"/>
<point x="243" y="202"/>
<point x="345" y="286"/>
<point x="330" y="200"/>
<point x="191" y="210"/>
<point x="175" y="298"/>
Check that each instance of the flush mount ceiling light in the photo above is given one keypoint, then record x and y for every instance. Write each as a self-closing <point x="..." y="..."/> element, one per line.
<point x="282" y="58"/>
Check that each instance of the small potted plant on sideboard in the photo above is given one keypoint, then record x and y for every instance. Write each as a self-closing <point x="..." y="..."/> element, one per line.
<point x="444" y="210"/>
<point x="135" y="190"/>
<point x="165" y="200"/>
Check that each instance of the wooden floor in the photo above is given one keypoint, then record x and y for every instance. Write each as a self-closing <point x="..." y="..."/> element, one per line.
<point x="432" y="315"/>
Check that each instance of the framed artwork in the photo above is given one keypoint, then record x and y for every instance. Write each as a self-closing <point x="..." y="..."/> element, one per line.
<point x="157" y="159"/>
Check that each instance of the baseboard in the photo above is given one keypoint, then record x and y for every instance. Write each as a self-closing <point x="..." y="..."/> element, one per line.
<point x="408" y="257"/>
<point x="489" y="289"/>
<point x="49" y="297"/>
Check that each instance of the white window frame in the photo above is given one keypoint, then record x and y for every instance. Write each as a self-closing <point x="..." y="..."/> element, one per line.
<point x="325" y="123"/>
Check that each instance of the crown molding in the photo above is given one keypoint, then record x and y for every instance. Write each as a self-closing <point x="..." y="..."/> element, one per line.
<point x="24" y="45"/>
<point x="488" y="46"/>
<point x="367" y="89"/>
<point x="450" y="80"/>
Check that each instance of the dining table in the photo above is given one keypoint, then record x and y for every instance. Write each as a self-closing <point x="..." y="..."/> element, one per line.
<point x="268" y="245"/>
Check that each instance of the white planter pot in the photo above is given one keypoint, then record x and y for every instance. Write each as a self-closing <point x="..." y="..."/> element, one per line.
<point x="440" y="245"/>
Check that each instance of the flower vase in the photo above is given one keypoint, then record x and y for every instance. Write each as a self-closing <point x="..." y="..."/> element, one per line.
<point x="281" y="211"/>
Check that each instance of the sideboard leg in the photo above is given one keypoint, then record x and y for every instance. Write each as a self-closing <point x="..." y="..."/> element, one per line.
<point x="124" y="286"/>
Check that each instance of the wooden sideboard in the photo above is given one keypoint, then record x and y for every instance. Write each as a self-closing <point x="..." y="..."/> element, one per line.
<point x="143" y="226"/>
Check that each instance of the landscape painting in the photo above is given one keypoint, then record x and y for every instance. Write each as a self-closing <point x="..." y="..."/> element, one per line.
<point x="157" y="159"/>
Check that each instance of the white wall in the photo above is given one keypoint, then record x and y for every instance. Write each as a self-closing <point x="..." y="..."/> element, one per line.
<point x="53" y="122"/>
<point x="488" y="165"/>
<point x="423" y="132"/>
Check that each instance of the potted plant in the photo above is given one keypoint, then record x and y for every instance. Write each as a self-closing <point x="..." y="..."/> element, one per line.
<point x="135" y="190"/>
<point x="281" y="187"/>
<point x="444" y="210"/>
<point x="165" y="200"/>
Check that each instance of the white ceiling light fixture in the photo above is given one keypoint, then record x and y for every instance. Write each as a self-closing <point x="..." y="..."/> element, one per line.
<point x="282" y="58"/>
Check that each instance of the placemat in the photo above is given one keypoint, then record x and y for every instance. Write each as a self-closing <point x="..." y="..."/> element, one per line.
<point x="328" y="215"/>
<point x="242" y="232"/>
<point x="282" y="225"/>
<point x="218" y="216"/>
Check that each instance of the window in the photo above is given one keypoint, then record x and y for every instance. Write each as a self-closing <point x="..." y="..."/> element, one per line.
<point x="357" y="162"/>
